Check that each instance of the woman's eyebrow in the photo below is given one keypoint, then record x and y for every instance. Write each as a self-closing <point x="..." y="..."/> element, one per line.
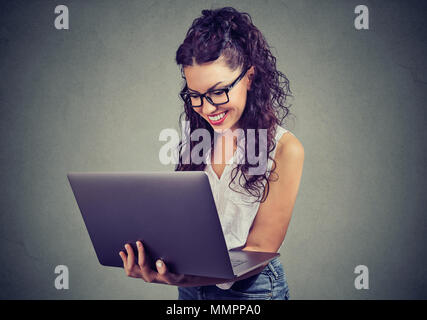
<point x="208" y="89"/>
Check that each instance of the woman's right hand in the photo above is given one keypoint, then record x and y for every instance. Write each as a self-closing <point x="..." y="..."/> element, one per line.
<point x="143" y="271"/>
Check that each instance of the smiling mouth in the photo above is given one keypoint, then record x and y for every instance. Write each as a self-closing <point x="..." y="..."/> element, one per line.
<point x="218" y="117"/>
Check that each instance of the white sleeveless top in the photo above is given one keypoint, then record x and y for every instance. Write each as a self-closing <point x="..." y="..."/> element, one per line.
<point x="235" y="210"/>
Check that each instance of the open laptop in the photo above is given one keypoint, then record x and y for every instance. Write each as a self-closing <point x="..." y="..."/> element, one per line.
<point x="172" y="213"/>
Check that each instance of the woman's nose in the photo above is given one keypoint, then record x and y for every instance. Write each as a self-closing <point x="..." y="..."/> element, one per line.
<point x="208" y="108"/>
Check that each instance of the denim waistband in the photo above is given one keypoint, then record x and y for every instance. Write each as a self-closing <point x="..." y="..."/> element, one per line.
<point x="275" y="267"/>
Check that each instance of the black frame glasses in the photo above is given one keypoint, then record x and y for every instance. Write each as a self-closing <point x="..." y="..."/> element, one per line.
<point x="185" y="94"/>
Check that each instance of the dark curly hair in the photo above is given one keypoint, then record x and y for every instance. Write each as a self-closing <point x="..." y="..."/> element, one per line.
<point x="230" y="34"/>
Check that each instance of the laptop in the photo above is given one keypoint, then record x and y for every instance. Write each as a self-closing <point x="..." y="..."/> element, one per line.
<point x="172" y="213"/>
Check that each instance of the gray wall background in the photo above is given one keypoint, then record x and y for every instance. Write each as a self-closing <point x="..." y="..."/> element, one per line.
<point x="95" y="98"/>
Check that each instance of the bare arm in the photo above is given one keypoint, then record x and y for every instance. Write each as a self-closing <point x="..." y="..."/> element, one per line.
<point x="272" y="220"/>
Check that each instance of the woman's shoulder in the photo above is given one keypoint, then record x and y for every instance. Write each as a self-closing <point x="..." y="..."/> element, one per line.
<point x="288" y="145"/>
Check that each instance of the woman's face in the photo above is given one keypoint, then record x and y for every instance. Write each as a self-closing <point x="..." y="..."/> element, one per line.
<point x="202" y="77"/>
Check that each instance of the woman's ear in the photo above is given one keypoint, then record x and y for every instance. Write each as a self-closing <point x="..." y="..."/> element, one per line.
<point x="251" y="75"/>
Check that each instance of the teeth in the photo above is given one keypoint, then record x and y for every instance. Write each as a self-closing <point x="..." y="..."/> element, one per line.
<point x="218" y="117"/>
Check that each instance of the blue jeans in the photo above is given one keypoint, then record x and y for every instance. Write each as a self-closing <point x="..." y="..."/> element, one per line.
<point x="270" y="284"/>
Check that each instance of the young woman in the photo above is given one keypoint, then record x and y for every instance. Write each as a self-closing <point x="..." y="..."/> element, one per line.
<point x="231" y="83"/>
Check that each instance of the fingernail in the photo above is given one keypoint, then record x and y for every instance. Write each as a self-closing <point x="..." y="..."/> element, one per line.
<point x="159" y="263"/>
<point x="138" y="244"/>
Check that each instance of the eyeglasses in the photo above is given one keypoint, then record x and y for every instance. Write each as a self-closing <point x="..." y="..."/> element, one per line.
<point x="215" y="97"/>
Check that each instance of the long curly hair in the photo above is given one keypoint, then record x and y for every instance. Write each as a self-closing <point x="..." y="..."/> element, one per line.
<point x="230" y="34"/>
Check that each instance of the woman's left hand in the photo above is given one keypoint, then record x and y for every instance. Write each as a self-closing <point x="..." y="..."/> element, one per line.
<point x="142" y="269"/>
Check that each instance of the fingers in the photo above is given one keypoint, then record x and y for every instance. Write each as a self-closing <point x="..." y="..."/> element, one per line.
<point x="124" y="259"/>
<point x="125" y="263"/>
<point x="148" y="275"/>
<point x="143" y="269"/>
<point x="131" y="269"/>
<point x="131" y="256"/>
<point x="141" y="254"/>
<point x="166" y="276"/>
<point x="161" y="268"/>
<point x="163" y="272"/>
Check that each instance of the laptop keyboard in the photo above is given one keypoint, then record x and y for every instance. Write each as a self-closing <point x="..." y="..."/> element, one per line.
<point x="236" y="262"/>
